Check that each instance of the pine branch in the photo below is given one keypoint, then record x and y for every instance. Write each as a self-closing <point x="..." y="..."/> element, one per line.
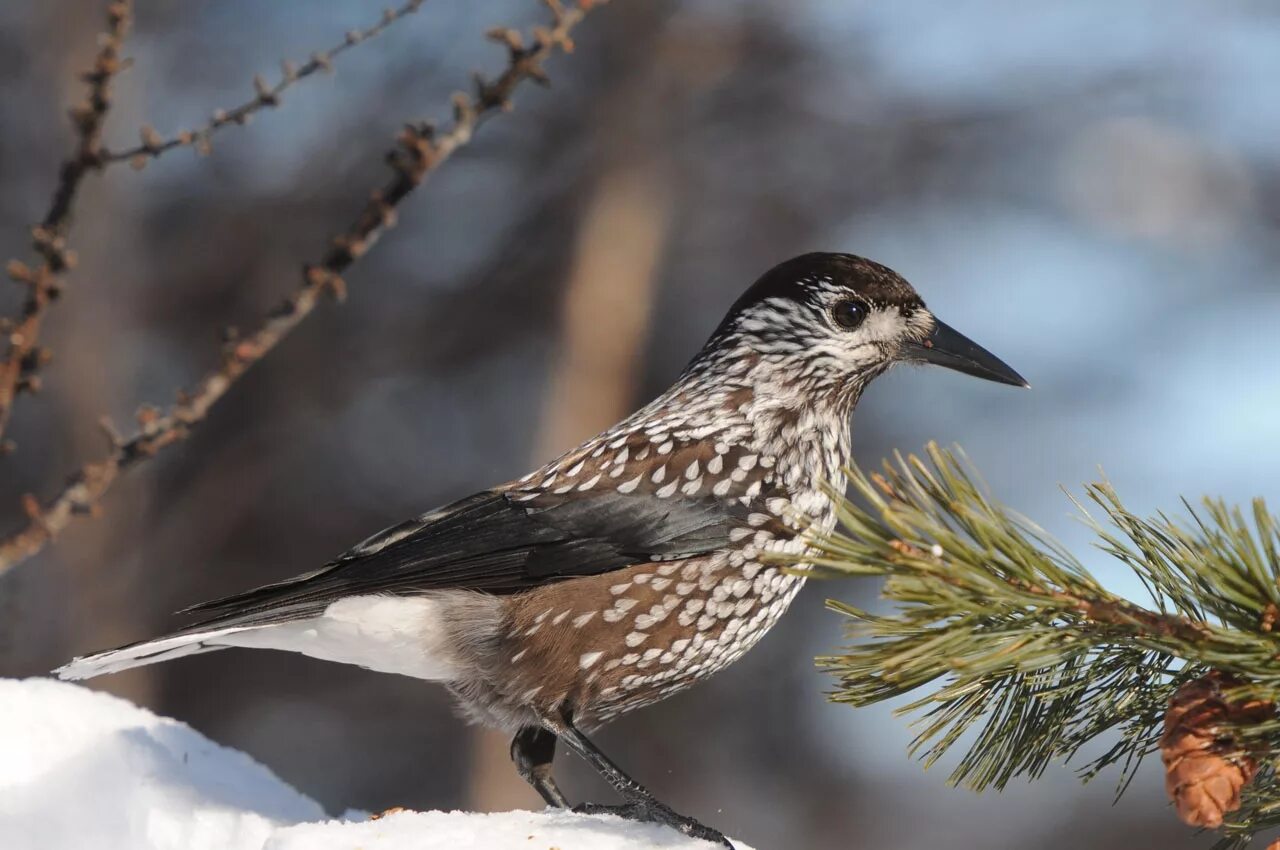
<point x="420" y="150"/>
<point x="23" y="355"/>
<point x="1020" y="653"/>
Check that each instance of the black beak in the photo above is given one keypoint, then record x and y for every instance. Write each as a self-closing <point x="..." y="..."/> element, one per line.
<point x="952" y="349"/>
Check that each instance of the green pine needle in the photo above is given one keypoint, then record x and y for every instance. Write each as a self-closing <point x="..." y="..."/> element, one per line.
<point x="1015" y="651"/>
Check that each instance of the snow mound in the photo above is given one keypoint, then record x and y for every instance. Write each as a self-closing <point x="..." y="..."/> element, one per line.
<point x="82" y="770"/>
<point x="550" y="830"/>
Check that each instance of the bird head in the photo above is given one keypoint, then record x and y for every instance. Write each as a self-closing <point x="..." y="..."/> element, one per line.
<point x="822" y="325"/>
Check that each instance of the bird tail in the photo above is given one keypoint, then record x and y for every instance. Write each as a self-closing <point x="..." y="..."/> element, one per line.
<point x="146" y="652"/>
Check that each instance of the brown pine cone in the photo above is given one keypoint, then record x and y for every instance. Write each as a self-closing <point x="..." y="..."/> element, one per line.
<point x="1204" y="765"/>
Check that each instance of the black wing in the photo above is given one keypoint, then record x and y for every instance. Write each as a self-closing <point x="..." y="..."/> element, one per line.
<point x="499" y="542"/>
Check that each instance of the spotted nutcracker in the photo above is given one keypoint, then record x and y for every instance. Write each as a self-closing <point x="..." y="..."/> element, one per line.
<point x="631" y="567"/>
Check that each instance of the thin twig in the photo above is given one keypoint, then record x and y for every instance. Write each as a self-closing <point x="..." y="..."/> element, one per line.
<point x="419" y="151"/>
<point x="20" y="336"/>
<point x="153" y="145"/>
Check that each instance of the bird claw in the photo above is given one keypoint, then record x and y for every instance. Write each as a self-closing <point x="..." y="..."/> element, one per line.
<point x="655" y="812"/>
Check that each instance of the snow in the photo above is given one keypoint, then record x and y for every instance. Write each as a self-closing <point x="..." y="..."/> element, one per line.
<point x="82" y="770"/>
<point x="500" y="831"/>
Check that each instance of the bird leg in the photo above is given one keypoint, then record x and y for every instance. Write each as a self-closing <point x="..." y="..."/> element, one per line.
<point x="532" y="749"/>
<point x="641" y="805"/>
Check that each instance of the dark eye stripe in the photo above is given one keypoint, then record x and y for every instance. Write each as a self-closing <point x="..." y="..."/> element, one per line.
<point x="849" y="314"/>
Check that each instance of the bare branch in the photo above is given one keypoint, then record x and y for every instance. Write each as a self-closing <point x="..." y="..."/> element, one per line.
<point x="266" y="96"/>
<point x="419" y="151"/>
<point x="23" y="356"/>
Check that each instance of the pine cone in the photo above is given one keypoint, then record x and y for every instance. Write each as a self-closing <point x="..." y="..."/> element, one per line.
<point x="1204" y="765"/>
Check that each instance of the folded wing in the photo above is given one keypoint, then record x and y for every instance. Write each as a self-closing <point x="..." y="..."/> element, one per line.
<point x="497" y="541"/>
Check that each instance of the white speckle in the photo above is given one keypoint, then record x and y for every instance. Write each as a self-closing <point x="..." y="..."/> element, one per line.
<point x="613" y="615"/>
<point x="628" y="486"/>
<point x="630" y="658"/>
<point x="738" y="475"/>
<point x="747" y="462"/>
<point x="641" y="578"/>
<point x="582" y="619"/>
<point x="668" y="569"/>
<point x="621" y="457"/>
<point x="617" y="471"/>
<point x="679" y="646"/>
<point x="542" y="616"/>
<point x="752" y="490"/>
<point x="624" y="604"/>
<point x="691" y="472"/>
<point x="562" y="490"/>
<point x="935" y="550"/>
<point x="619" y="589"/>
<point x="692" y="487"/>
<point x="705" y="622"/>
<point x="530" y="694"/>
<point x="665" y="448"/>
<point x="722" y="448"/>
<point x="599" y="450"/>
<point x="684" y="588"/>
<point x="589" y="483"/>
<point x="519" y="655"/>
<point x="586" y="659"/>
<point x="715" y="465"/>
<point x="668" y="490"/>
<point x="739" y="533"/>
<point x="559" y="618"/>
<point x="722" y="486"/>
<point x="533" y="630"/>
<point x="660" y="583"/>
<point x="634" y="639"/>
<point x="658" y="474"/>
<point x="577" y="467"/>
<point x="644" y="453"/>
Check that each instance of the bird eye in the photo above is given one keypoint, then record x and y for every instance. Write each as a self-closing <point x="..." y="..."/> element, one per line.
<point x="849" y="314"/>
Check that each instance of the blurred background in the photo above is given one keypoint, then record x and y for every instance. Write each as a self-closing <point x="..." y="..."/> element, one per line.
<point x="1090" y="189"/>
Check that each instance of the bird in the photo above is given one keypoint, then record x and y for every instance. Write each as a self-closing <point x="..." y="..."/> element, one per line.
<point x="633" y="566"/>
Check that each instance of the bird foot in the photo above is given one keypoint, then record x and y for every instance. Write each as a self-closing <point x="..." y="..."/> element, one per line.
<point x="655" y="812"/>
<point x="394" y="810"/>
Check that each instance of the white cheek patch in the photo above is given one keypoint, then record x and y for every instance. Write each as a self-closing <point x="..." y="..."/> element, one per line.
<point x="880" y="326"/>
<point x="862" y="347"/>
